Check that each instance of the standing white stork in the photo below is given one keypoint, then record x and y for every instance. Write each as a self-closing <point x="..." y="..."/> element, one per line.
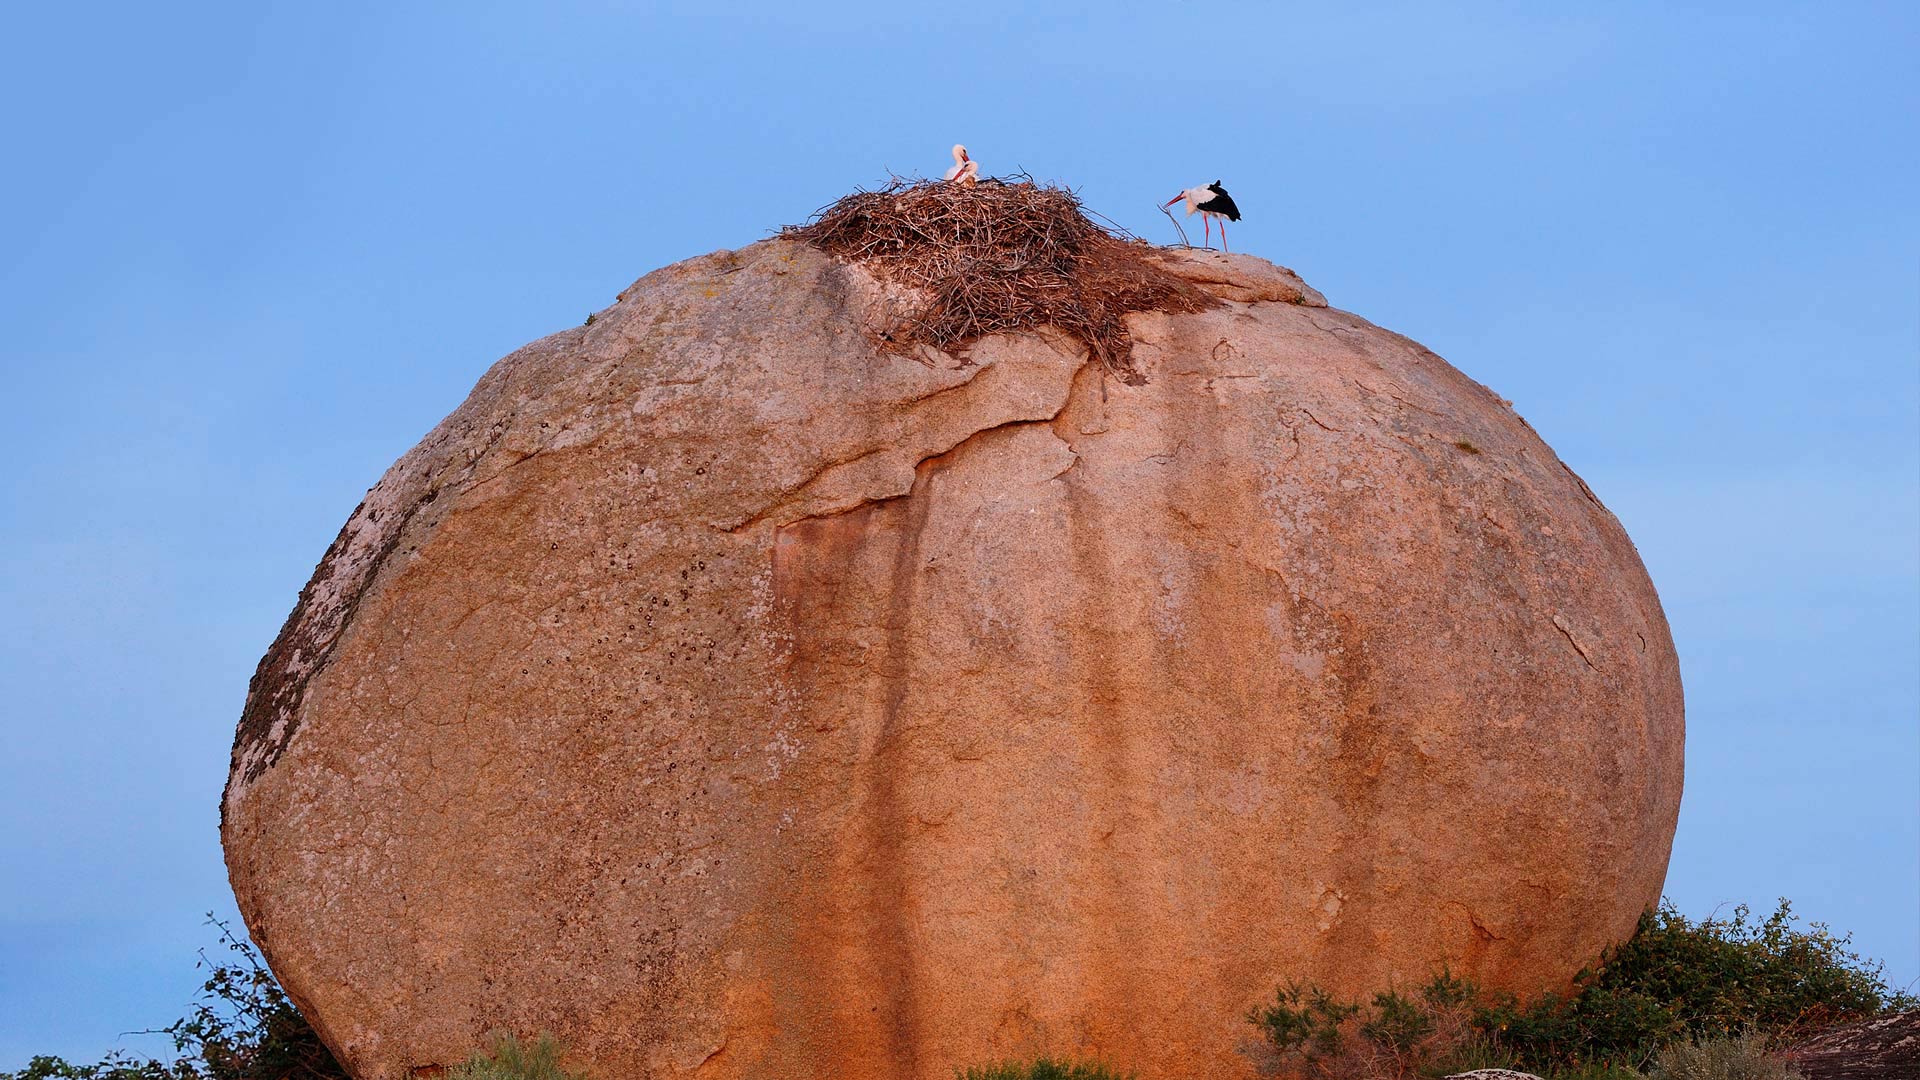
<point x="1210" y="201"/>
<point x="965" y="170"/>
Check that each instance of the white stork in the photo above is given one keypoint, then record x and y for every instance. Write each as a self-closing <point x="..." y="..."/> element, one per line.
<point x="1210" y="201"/>
<point x="965" y="170"/>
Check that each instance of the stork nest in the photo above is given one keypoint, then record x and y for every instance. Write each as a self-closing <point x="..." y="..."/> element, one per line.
<point x="999" y="258"/>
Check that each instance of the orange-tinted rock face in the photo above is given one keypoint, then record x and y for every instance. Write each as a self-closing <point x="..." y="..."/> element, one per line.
<point x="735" y="702"/>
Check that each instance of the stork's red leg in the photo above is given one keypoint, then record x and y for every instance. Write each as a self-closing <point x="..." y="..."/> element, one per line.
<point x="1206" y="223"/>
<point x="1223" y="236"/>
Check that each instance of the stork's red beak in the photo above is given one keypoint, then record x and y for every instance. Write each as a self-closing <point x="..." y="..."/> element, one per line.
<point x="1173" y="200"/>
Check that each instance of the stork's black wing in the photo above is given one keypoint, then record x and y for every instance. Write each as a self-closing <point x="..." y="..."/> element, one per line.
<point x="1221" y="203"/>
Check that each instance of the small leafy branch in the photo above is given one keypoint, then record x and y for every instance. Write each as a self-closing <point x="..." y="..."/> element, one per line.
<point x="1303" y="1019"/>
<point x="243" y="1027"/>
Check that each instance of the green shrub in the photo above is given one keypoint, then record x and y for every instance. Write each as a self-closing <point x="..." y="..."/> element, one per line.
<point x="1721" y="1057"/>
<point x="115" y="1067"/>
<point x="511" y="1061"/>
<point x="1043" y="1069"/>
<point x="241" y="1028"/>
<point x="1726" y="976"/>
<point x="1396" y="1024"/>
<point x="1396" y="1036"/>
<point x="1673" y="982"/>
<point x="1446" y="991"/>
<point x="1678" y="979"/>
<point x="1303" y="1019"/>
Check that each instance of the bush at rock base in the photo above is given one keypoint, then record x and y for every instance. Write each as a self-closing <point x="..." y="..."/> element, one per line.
<point x="1680" y="979"/>
<point x="1745" y="983"/>
<point x="1680" y="999"/>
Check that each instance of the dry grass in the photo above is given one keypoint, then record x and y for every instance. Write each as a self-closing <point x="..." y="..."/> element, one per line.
<point x="1724" y="1057"/>
<point x="1000" y="258"/>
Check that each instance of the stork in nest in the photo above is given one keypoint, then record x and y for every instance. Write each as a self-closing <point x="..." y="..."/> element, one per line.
<point x="965" y="170"/>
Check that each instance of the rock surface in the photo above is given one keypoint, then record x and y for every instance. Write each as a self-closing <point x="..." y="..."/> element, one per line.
<point x="734" y="701"/>
<point x="1887" y="1048"/>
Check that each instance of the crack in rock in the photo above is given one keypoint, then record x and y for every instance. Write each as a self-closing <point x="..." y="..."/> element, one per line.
<point x="1566" y="628"/>
<point x="881" y="474"/>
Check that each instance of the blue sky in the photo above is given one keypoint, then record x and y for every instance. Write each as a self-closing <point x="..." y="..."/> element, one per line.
<point x="249" y="256"/>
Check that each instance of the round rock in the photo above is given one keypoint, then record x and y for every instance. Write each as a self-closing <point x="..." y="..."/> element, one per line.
<point x="733" y="699"/>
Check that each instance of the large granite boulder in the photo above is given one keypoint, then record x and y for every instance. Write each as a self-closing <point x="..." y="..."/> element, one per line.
<point x="734" y="699"/>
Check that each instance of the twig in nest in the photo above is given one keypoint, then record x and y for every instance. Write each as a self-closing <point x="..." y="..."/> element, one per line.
<point x="1176" y="225"/>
